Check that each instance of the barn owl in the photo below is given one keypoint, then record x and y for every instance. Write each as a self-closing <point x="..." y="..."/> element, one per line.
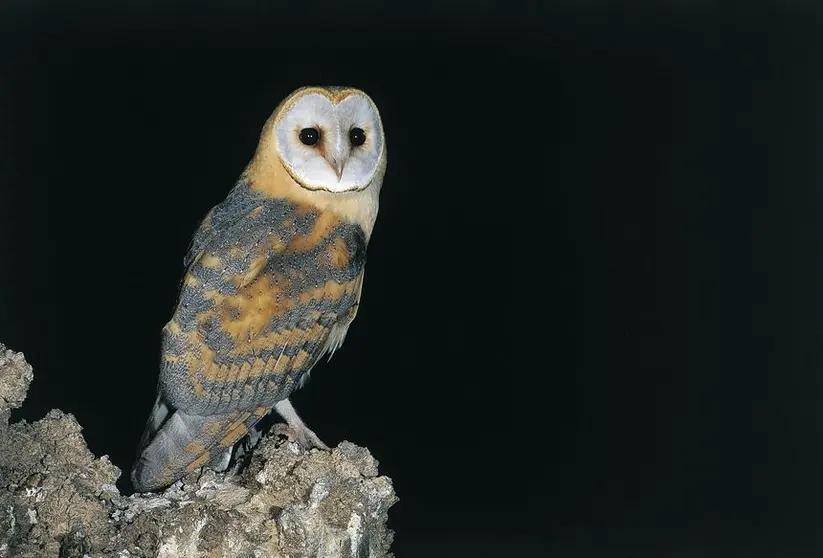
<point x="272" y="281"/>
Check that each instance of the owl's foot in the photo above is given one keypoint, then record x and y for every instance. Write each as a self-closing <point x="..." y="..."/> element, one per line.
<point x="305" y="438"/>
<point x="295" y="429"/>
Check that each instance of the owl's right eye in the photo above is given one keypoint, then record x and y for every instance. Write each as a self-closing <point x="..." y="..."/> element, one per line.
<point x="309" y="136"/>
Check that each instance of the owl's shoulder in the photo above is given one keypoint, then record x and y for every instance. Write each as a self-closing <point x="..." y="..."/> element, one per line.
<point x="295" y="233"/>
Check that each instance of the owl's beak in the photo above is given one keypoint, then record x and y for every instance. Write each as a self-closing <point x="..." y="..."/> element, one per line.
<point x="338" y="164"/>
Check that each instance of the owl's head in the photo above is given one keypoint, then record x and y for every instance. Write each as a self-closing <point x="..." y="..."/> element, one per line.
<point x="329" y="138"/>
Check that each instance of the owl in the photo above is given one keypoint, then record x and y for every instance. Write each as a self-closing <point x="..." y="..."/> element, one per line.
<point x="272" y="281"/>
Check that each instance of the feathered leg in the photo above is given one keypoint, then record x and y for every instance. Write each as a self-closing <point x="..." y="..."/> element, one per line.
<point x="296" y="430"/>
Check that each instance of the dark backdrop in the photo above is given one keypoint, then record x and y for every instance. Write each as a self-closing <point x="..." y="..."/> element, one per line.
<point x="591" y="318"/>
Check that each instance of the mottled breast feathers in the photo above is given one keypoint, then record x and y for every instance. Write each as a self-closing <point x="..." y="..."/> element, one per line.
<point x="270" y="286"/>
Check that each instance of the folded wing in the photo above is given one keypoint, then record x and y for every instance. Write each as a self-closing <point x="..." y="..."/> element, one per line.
<point x="263" y="299"/>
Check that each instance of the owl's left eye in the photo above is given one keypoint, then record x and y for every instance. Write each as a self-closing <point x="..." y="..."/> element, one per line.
<point x="357" y="136"/>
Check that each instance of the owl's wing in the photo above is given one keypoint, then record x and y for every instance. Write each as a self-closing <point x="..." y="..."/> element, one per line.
<point x="262" y="301"/>
<point x="256" y="310"/>
<point x="221" y="220"/>
<point x="199" y="238"/>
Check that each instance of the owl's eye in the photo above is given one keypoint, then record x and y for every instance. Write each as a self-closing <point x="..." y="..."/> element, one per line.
<point x="309" y="136"/>
<point x="357" y="136"/>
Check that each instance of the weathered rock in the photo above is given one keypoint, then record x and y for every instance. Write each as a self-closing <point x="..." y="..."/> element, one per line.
<point x="15" y="377"/>
<point x="58" y="500"/>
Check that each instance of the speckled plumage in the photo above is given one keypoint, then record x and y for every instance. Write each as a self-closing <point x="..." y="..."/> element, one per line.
<point x="273" y="280"/>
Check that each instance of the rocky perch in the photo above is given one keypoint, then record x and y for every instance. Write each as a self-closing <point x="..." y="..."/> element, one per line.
<point x="57" y="499"/>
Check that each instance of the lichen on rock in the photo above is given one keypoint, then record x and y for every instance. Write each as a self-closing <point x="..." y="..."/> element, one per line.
<point x="58" y="500"/>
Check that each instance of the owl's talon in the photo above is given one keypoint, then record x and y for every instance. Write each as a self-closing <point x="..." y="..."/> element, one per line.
<point x="303" y="437"/>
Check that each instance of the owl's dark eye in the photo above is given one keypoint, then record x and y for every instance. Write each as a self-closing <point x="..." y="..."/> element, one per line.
<point x="357" y="136"/>
<point x="309" y="136"/>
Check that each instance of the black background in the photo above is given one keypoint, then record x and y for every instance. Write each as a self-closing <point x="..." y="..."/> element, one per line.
<point x="591" y="318"/>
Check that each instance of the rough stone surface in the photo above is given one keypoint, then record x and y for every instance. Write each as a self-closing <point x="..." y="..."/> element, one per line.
<point x="58" y="500"/>
<point x="15" y="377"/>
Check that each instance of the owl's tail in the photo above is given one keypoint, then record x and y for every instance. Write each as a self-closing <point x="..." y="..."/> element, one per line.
<point x="176" y="443"/>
